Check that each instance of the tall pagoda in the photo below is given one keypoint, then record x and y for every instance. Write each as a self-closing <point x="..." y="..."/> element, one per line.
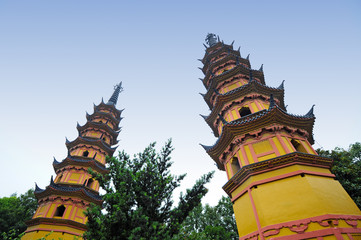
<point x="280" y="188"/>
<point x="62" y="204"/>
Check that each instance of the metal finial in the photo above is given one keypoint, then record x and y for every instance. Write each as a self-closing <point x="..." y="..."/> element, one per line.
<point x="114" y="98"/>
<point x="211" y="39"/>
<point x="261" y="68"/>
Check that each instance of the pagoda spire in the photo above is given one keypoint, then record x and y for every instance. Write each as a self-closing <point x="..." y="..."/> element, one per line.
<point x="211" y="39"/>
<point x="114" y="98"/>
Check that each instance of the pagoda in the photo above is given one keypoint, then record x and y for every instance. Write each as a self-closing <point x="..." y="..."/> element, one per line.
<point x="280" y="188"/>
<point x="62" y="204"/>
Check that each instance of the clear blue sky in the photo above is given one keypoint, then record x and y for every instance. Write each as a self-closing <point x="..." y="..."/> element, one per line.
<point x="57" y="58"/>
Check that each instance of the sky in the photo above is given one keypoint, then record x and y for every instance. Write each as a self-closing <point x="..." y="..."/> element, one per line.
<point x="57" y="58"/>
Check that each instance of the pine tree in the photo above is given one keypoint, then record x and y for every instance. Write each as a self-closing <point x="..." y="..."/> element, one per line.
<point x="138" y="198"/>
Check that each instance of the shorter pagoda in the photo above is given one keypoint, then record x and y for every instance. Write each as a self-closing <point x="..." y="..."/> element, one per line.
<point x="62" y="204"/>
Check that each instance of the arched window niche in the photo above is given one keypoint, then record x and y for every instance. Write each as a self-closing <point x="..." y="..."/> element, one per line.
<point x="90" y="183"/>
<point x="298" y="146"/>
<point x="235" y="165"/>
<point x="59" y="212"/>
<point x="244" y="111"/>
<point x="86" y="153"/>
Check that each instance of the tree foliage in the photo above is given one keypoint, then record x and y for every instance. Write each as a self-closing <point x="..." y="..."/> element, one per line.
<point x="210" y="223"/>
<point x="347" y="168"/>
<point x="138" y="198"/>
<point x="14" y="211"/>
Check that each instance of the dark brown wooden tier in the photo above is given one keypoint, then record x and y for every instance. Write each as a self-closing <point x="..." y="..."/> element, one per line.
<point x="252" y="87"/>
<point x="275" y="163"/>
<point x="257" y="121"/>
<point x="80" y="162"/>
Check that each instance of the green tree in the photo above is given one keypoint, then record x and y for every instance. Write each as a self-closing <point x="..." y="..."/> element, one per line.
<point x="347" y="168"/>
<point x="210" y="223"/>
<point x="14" y="211"/>
<point x="138" y="198"/>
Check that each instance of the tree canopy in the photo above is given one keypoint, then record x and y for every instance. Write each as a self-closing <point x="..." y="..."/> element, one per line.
<point x="210" y="223"/>
<point x="14" y="211"/>
<point x="138" y="198"/>
<point x="347" y="168"/>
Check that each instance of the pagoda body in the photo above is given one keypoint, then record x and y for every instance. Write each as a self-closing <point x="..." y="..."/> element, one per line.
<point x="279" y="186"/>
<point x="60" y="214"/>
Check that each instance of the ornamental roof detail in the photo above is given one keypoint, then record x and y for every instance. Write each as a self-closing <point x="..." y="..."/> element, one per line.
<point x="102" y="126"/>
<point x="105" y="115"/>
<point x="81" y="162"/>
<point x="253" y="87"/>
<point x="90" y="141"/>
<point x="111" y="107"/>
<point x="255" y="121"/>
<point x="210" y="81"/>
<point x="208" y="67"/>
<point x="55" y="221"/>
<point x="57" y="189"/>
<point x="290" y="158"/>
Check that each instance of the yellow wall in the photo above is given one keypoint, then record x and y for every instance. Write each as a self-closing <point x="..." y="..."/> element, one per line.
<point x="245" y="218"/>
<point x="254" y="105"/>
<point x="57" y="232"/>
<point x="73" y="211"/>
<point x="269" y="145"/>
<point x="100" y="155"/>
<point x="290" y="199"/>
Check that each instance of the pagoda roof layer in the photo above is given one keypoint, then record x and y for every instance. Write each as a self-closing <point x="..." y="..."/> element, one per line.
<point x="274" y="163"/>
<point x="239" y="69"/>
<point x="211" y="91"/>
<point x="211" y="52"/>
<point x="62" y="190"/>
<point x="109" y="106"/>
<point x="106" y="115"/>
<point x="56" y="221"/>
<point x="75" y="161"/>
<point x="91" y="141"/>
<point x="262" y="119"/>
<point x="97" y="125"/>
<point x="250" y="87"/>
<point x="231" y="55"/>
